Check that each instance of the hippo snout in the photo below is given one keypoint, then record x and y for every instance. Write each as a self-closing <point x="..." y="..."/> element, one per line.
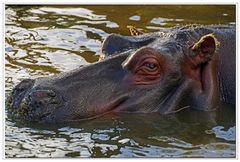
<point x="31" y="102"/>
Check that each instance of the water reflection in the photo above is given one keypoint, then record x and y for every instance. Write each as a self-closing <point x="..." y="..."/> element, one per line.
<point x="164" y="21"/>
<point x="45" y="40"/>
<point x="135" y="18"/>
<point x="123" y="135"/>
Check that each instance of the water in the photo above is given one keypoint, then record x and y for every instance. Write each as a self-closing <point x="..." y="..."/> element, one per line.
<point x="46" y="40"/>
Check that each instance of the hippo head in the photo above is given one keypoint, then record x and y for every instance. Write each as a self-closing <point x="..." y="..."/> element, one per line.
<point x="156" y="72"/>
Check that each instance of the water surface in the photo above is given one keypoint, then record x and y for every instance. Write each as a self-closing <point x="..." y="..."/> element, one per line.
<point x="46" y="40"/>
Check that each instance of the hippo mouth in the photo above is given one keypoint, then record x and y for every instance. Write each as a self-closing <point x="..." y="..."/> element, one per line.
<point x="110" y="107"/>
<point x="50" y="112"/>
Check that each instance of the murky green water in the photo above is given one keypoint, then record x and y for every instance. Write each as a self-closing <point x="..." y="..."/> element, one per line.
<point x="45" y="40"/>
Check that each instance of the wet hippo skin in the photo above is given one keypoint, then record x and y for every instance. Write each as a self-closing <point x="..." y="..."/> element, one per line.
<point x="164" y="72"/>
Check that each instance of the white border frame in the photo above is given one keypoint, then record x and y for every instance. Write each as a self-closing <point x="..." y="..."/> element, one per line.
<point x="110" y="2"/>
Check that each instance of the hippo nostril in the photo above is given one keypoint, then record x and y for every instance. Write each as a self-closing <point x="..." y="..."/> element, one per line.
<point x="43" y="97"/>
<point x="43" y="93"/>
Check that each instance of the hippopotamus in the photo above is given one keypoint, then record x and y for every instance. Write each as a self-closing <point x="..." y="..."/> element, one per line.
<point x="191" y="67"/>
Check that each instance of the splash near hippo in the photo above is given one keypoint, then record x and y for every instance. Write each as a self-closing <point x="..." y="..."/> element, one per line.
<point x="164" y="72"/>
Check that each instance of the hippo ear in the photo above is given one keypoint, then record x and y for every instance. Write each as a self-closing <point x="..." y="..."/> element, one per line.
<point x="115" y="43"/>
<point x="204" y="49"/>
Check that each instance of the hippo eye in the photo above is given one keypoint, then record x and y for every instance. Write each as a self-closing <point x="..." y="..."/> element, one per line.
<point x="150" y="65"/>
